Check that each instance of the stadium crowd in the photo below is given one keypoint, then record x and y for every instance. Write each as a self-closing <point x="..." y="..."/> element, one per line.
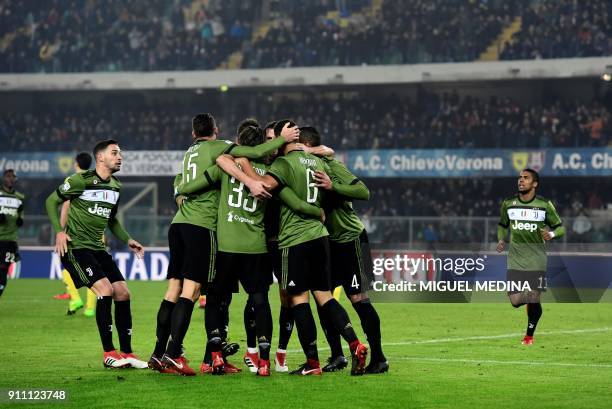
<point x="115" y="35"/>
<point x="79" y="36"/>
<point x="402" y="33"/>
<point x="562" y="29"/>
<point x="347" y="121"/>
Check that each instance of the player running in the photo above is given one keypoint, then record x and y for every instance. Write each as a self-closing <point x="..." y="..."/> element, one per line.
<point x="94" y="198"/>
<point x="193" y="248"/>
<point x="11" y="219"/>
<point x="529" y="218"/>
<point x="82" y="163"/>
<point x="351" y="262"/>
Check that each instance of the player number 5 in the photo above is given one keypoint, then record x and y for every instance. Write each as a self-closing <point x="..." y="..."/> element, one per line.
<point x="191" y="167"/>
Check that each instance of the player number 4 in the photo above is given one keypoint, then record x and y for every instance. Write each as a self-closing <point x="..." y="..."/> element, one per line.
<point x="355" y="283"/>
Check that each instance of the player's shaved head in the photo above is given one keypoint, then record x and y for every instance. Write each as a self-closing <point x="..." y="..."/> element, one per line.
<point x="309" y="136"/>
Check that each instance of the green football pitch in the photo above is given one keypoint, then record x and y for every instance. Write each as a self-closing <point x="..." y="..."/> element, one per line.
<point x="441" y="356"/>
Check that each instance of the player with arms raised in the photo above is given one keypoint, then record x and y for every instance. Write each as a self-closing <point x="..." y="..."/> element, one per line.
<point x="532" y="221"/>
<point x="94" y="199"/>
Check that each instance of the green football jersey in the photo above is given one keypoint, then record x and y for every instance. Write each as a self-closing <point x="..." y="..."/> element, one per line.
<point x="296" y="170"/>
<point x="341" y="220"/>
<point x="240" y="227"/>
<point x="93" y="204"/>
<point x="200" y="208"/>
<point x="11" y="206"/>
<point x="525" y="220"/>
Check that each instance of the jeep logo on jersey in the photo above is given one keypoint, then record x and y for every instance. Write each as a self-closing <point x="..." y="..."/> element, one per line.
<point x="524" y="226"/>
<point x="100" y="211"/>
<point x="11" y="211"/>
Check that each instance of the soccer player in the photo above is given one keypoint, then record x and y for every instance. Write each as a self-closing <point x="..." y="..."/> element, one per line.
<point x="351" y="262"/>
<point x="193" y="248"/>
<point x="272" y="224"/>
<point x="305" y="252"/>
<point x="94" y="198"/>
<point x="11" y="219"/>
<point x="81" y="164"/>
<point x="532" y="221"/>
<point x="242" y="241"/>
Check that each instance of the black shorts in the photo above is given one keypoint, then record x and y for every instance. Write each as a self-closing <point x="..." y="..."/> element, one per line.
<point x="305" y="267"/>
<point x="351" y="265"/>
<point x="88" y="266"/>
<point x="9" y="253"/>
<point x="253" y="271"/>
<point x="537" y="280"/>
<point x="193" y="250"/>
<point x="275" y="259"/>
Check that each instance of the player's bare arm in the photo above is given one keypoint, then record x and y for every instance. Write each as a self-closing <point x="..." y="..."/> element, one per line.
<point x="320" y="150"/>
<point x="256" y="187"/>
<point x="64" y="213"/>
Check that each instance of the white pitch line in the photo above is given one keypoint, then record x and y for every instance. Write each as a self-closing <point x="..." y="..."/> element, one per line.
<point x="495" y="362"/>
<point x="482" y="337"/>
<point x="501" y="336"/>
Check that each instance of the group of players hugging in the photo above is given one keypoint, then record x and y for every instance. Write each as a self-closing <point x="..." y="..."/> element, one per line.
<point x="273" y="203"/>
